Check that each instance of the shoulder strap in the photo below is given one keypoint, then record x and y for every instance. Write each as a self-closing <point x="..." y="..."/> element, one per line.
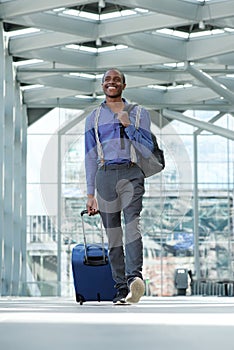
<point x="99" y="146"/>
<point x="137" y="122"/>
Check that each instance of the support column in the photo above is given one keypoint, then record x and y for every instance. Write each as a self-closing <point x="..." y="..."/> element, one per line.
<point x="23" y="226"/>
<point x="8" y="178"/>
<point x="59" y="219"/>
<point x="2" y="121"/>
<point x="13" y="138"/>
<point x="196" y="211"/>
<point x="17" y="214"/>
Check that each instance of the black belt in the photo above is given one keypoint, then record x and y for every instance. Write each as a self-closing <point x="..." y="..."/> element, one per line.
<point x="117" y="166"/>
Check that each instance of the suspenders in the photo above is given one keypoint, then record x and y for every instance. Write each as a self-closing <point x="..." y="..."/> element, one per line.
<point x="128" y="108"/>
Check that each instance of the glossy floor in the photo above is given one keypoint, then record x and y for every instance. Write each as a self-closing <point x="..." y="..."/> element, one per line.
<point x="161" y="323"/>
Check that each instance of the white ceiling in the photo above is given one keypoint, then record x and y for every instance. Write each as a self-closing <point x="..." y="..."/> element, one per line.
<point x="176" y="54"/>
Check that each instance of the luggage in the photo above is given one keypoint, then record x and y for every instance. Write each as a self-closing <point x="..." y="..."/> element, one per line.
<point x="91" y="270"/>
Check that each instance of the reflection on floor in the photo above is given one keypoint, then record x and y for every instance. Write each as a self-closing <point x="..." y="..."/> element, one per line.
<point x="161" y="323"/>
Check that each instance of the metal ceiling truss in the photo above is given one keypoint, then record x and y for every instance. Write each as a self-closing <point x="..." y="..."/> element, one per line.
<point x="164" y="70"/>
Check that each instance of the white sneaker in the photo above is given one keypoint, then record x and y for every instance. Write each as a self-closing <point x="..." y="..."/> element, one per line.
<point x="137" y="289"/>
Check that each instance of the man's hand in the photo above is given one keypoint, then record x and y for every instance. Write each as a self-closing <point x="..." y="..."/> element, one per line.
<point x="91" y="205"/>
<point x="124" y="118"/>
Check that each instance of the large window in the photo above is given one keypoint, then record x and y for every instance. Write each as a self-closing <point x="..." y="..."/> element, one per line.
<point x="187" y="217"/>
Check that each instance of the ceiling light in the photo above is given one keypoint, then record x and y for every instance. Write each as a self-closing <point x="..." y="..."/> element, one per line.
<point x="201" y="25"/>
<point x="101" y="4"/>
<point x="99" y="42"/>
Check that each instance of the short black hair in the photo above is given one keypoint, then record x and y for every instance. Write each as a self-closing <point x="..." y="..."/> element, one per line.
<point x="117" y="70"/>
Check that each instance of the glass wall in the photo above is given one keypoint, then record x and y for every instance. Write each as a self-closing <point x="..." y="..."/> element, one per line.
<point x="187" y="217"/>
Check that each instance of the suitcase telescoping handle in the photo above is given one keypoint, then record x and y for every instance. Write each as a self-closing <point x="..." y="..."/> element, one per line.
<point x="93" y="260"/>
<point x="85" y="211"/>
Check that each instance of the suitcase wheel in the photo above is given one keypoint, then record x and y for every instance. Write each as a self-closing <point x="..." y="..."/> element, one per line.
<point x="79" y="299"/>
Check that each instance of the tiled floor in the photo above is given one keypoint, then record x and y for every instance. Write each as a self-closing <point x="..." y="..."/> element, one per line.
<point x="162" y="323"/>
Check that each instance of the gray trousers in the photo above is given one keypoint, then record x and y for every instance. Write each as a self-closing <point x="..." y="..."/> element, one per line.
<point x="120" y="189"/>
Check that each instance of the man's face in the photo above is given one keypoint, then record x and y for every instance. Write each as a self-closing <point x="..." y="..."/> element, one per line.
<point x="113" y="84"/>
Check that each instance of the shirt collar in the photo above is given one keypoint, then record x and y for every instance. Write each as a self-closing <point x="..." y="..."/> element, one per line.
<point x="103" y="103"/>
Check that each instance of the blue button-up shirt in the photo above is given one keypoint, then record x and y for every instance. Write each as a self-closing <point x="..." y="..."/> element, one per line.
<point x="115" y="150"/>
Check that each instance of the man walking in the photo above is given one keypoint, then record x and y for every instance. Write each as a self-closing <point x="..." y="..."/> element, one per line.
<point x="115" y="184"/>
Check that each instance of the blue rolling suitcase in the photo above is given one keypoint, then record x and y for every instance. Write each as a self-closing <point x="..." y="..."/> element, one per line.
<point x="91" y="270"/>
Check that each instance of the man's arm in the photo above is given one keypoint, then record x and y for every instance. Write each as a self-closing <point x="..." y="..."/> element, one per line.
<point x="90" y="165"/>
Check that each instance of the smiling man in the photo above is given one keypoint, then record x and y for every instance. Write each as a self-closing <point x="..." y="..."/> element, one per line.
<point x="115" y="184"/>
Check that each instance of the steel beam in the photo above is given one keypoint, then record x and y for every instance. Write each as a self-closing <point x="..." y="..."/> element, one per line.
<point x="175" y="8"/>
<point x="11" y="9"/>
<point x="62" y="24"/>
<point x="158" y="44"/>
<point x="42" y="41"/>
<point x="184" y="9"/>
<point x="210" y="82"/>
<point x="214" y="129"/>
<point x="210" y="46"/>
